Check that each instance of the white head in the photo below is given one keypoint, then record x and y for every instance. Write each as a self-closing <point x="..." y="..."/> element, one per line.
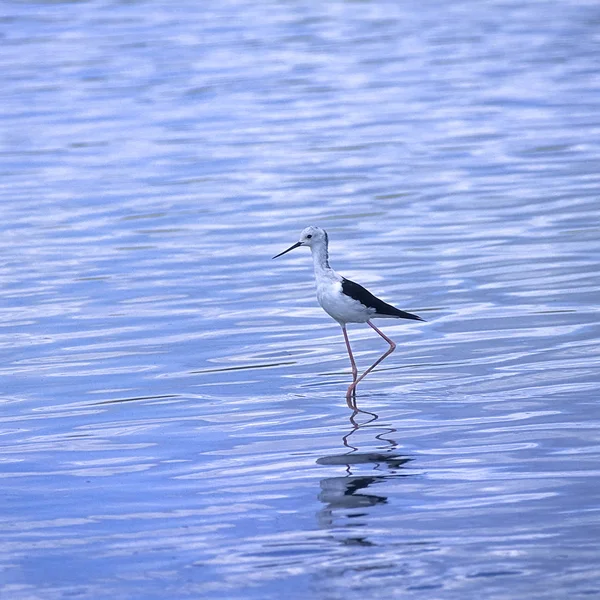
<point x="311" y="237"/>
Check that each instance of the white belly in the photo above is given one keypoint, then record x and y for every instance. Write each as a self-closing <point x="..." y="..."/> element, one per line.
<point x="340" y="307"/>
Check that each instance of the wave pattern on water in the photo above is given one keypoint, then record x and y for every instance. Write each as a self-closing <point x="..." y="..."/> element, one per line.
<point x="174" y="422"/>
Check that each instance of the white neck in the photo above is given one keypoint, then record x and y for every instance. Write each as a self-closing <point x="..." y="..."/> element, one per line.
<point x="320" y="258"/>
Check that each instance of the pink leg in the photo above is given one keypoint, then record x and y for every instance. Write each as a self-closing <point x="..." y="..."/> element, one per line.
<point x="354" y="369"/>
<point x="352" y="363"/>
<point x="352" y="388"/>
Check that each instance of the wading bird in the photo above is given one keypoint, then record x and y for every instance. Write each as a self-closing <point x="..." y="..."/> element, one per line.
<point x="346" y="301"/>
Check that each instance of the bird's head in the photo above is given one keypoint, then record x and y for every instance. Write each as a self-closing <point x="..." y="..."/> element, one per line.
<point x="310" y="236"/>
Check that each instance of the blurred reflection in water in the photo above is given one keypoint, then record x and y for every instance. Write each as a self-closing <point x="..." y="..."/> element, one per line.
<point x="345" y="495"/>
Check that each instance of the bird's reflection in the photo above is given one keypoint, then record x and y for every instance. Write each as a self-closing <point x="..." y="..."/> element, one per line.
<point x="345" y="495"/>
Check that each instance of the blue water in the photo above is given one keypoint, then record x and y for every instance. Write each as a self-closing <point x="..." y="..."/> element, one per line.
<point x="173" y="418"/>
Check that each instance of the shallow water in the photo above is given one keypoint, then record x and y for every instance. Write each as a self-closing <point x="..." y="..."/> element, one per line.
<point x="174" y="422"/>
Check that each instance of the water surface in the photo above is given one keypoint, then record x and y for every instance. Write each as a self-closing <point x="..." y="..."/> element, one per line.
<point x="174" y="422"/>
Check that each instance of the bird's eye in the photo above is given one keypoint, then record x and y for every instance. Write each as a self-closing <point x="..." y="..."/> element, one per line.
<point x="308" y="237"/>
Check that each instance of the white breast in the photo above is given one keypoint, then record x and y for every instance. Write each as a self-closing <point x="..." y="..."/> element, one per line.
<point x="338" y="306"/>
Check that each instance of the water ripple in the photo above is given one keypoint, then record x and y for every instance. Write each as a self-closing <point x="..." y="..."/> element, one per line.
<point x="174" y="422"/>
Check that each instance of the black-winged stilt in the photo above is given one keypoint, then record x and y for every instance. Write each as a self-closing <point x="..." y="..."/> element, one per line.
<point x="346" y="301"/>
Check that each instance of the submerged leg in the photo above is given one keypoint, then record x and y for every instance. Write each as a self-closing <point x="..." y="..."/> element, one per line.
<point x="352" y="363"/>
<point x="352" y="388"/>
<point x="354" y="369"/>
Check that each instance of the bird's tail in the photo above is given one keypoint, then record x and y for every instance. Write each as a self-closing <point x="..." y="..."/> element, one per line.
<point x="392" y="311"/>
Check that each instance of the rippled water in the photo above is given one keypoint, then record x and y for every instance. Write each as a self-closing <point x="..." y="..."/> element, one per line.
<point x="173" y="415"/>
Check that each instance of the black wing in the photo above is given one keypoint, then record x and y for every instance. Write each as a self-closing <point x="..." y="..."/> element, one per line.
<point x="364" y="296"/>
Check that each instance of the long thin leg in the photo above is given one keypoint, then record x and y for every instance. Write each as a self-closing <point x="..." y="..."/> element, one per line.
<point x="349" y="401"/>
<point x="352" y="363"/>
<point x="352" y="388"/>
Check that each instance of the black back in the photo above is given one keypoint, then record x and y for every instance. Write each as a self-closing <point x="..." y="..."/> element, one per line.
<point x="364" y="296"/>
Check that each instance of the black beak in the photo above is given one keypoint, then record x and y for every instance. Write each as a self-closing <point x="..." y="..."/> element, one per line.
<point x="290" y="248"/>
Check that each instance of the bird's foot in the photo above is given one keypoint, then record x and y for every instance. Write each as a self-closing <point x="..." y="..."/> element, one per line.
<point x="351" y="396"/>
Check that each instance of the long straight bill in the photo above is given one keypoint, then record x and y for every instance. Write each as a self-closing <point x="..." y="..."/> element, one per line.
<point x="290" y="248"/>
